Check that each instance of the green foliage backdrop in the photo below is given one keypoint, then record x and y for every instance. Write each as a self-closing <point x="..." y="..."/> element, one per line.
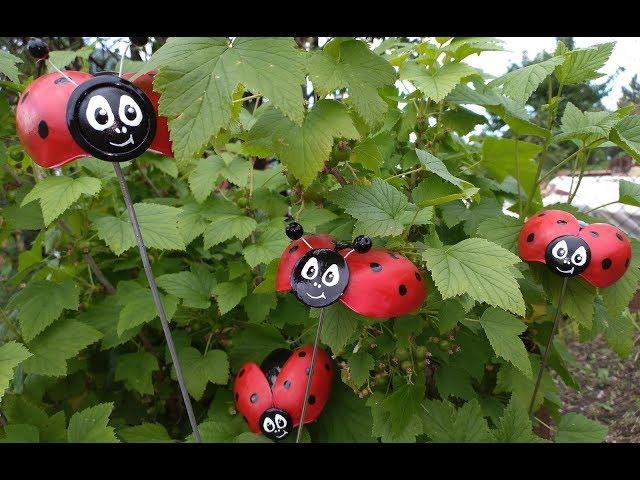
<point x="262" y="128"/>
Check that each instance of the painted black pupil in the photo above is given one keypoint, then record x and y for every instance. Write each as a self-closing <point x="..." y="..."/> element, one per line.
<point x="330" y="277"/>
<point x="578" y="258"/>
<point x="561" y="252"/>
<point x="101" y="116"/>
<point x="130" y="113"/>
<point x="312" y="271"/>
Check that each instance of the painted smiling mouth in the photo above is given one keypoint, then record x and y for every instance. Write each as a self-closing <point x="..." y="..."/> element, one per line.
<point x="284" y="434"/>
<point x="316" y="298"/>
<point x="565" y="271"/>
<point x="130" y="141"/>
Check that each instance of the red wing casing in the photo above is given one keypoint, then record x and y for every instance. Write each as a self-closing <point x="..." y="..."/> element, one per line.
<point x="294" y="251"/>
<point x="41" y="119"/>
<point x="161" y="142"/>
<point x="382" y="284"/>
<point x="541" y="229"/>
<point x="610" y="254"/>
<point x="290" y="386"/>
<point x="252" y="394"/>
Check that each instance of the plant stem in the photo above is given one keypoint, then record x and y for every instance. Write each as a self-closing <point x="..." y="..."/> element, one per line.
<point x="558" y="165"/>
<point x="405" y="173"/>
<point x="517" y="155"/>
<point x="583" y="166"/>
<point x="601" y="206"/>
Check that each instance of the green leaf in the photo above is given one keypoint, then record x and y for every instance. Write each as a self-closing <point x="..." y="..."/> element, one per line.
<point x="378" y="208"/>
<point x="268" y="246"/>
<point x="382" y="425"/>
<point x="512" y="380"/>
<point x="195" y="287"/>
<point x="62" y="58"/>
<point x="331" y="427"/>
<point x="452" y="381"/>
<point x="435" y="83"/>
<point x="367" y="154"/>
<point x="583" y="64"/>
<point x="12" y="354"/>
<point x="479" y="268"/>
<point x="144" y="433"/>
<point x="502" y="231"/>
<point x="56" y="194"/>
<point x="618" y="296"/>
<point x="91" y="425"/>
<point x="305" y="148"/>
<point x="579" y="295"/>
<point x="138" y="306"/>
<point x="350" y="64"/>
<point x="435" y="191"/>
<point x="519" y="84"/>
<point x="629" y="193"/>
<point x="192" y="220"/>
<point x="620" y="334"/>
<point x="19" y="410"/>
<point x="444" y="424"/>
<point x="359" y="365"/>
<point x="208" y="171"/>
<point x="254" y="342"/>
<point x="56" y="344"/>
<point x="40" y="303"/>
<point x="159" y="225"/>
<point x="503" y="330"/>
<point x="8" y="66"/>
<point x="499" y="156"/>
<point x="514" y="426"/>
<point x="197" y="78"/>
<point x="626" y="134"/>
<point x="339" y="325"/>
<point x="576" y="428"/>
<point x="225" y="226"/>
<point x="403" y="404"/>
<point x="104" y="316"/>
<point x="21" y="433"/>
<point x="135" y="370"/>
<point x="229" y="294"/>
<point x="435" y="165"/>
<point x="200" y="369"/>
<point x="585" y="127"/>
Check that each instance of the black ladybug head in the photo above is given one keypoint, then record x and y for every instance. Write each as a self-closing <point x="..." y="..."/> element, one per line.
<point x="276" y="424"/>
<point x="111" y="118"/>
<point x="320" y="277"/>
<point x="567" y="256"/>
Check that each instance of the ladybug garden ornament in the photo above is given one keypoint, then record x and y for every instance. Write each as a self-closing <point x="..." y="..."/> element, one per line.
<point x="270" y="396"/>
<point x="63" y="116"/>
<point x="598" y="252"/>
<point x="372" y="282"/>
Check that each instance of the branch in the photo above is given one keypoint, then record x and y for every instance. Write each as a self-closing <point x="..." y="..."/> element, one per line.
<point x="338" y="175"/>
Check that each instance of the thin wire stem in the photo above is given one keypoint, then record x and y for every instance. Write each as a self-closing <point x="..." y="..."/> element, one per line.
<point x="545" y="358"/>
<point x="61" y="72"/>
<point x="124" y="54"/>
<point x="308" y="388"/>
<point x="156" y="299"/>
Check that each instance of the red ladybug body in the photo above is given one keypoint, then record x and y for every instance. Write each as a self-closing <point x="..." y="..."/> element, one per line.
<point x="270" y="399"/>
<point x="554" y="237"/>
<point x="42" y="123"/>
<point x="381" y="284"/>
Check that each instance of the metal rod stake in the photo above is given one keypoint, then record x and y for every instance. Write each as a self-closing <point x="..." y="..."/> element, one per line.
<point x="545" y="358"/>
<point x="308" y="388"/>
<point x="156" y="299"/>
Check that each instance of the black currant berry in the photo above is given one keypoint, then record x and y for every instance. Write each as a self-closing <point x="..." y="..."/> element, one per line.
<point x="139" y="41"/>
<point x="362" y="244"/>
<point x="294" y="231"/>
<point x="38" y="49"/>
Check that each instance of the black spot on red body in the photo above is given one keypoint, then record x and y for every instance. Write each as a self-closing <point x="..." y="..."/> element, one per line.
<point x="606" y="263"/>
<point x="561" y="222"/>
<point x="24" y="97"/>
<point x="287" y="384"/>
<point x="531" y="237"/>
<point x="60" y="80"/>
<point x="307" y="370"/>
<point x="253" y="398"/>
<point x="241" y="373"/>
<point x="293" y="249"/>
<point x="626" y="263"/>
<point x="312" y="399"/>
<point x="327" y="367"/>
<point x="43" y="129"/>
<point x="402" y="290"/>
<point x="394" y="256"/>
<point x="302" y="354"/>
<point x="594" y="234"/>
<point x="418" y="277"/>
<point x="376" y="267"/>
<point x="620" y="237"/>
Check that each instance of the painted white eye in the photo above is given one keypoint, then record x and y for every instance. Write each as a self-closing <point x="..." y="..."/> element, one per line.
<point x="331" y="276"/>
<point x="129" y="111"/>
<point x="310" y="269"/>
<point x="579" y="258"/>
<point x="99" y="114"/>
<point x="268" y="425"/>
<point x="560" y="250"/>
<point x="281" y="422"/>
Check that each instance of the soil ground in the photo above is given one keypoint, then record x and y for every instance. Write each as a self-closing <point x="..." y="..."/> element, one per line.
<point x="610" y="389"/>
